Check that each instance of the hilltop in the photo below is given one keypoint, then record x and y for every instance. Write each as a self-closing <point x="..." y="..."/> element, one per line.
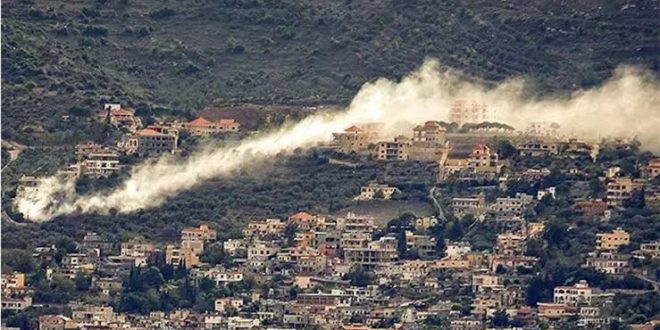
<point x="177" y="57"/>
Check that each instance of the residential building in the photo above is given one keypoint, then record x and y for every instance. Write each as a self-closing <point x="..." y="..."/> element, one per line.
<point x="428" y="142"/>
<point x="542" y="129"/>
<point x="374" y="190"/>
<point x="607" y="262"/>
<point x="203" y="233"/>
<point x="224" y="304"/>
<point x="377" y="252"/>
<point x="262" y="251"/>
<point x="149" y="142"/>
<point x="620" y="190"/>
<point x="394" y="150"/>
<point x="550" y="192"/>
<point x="353" y="222"/>
<point x="532" y="174"/>
<point x="651" y="249"/>
<point x="204" y="127"/>
<point x="462" y="206"/>
<point x="591" y="207"/>
<point x="425" y="223"/>
<point x="612" y="240"/>
<point x="188" y="255"/>
<point x="265" y="227"/>
<point x="13" y="281"/>
<point x="56" y="322"/>
<point x="457" y="249"/>
<point x="652" y="169"/>
<point x="577" y="294"/>
<point x="510" y="244"/>
<point x="425" y="245"/>
<point x="91" y="314"/>
<point x="15" y="304"/>
<point x="118" y="116"/>
<point x="538" y="148"/>
<point x="462" y="112"/>
<point x="512" y="206"/>
<point x="136" y="247"/>
<point x="100" y="164"/>
<point x="358" y="138"/>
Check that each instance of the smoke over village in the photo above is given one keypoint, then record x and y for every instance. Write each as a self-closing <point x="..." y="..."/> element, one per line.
<point x="625" y="106"/>
<point x="330" y="165"/>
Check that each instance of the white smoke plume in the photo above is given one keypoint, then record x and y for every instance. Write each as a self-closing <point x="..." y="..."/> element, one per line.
<point x="627" y="104"/>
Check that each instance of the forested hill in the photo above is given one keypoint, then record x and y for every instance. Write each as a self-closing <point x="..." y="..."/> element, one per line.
<point x="70" y="56"/>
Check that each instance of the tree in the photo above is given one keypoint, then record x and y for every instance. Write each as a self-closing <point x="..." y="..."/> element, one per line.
<point x="214" y="254"/>
<point x="500" y="319"/>
<point x="152" y="278"/>
<point x="455" y="231"/>
<point x="18" y="260"/>
<point x="82" y="281"/>
<point x="358" y="276"/>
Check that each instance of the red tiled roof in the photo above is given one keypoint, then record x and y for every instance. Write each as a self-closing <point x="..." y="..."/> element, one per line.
<point x="301" y="216"/>
<point x="353" y="128"/>
<point x="121" y="112"/>
<point x="429" y="125"/>
<point x="481" y="147"/>
<point x="201" y="121"/>
<point x="149" y="132"/>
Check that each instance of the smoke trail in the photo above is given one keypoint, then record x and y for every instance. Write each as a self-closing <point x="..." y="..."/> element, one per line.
<point x="627" y="103"/>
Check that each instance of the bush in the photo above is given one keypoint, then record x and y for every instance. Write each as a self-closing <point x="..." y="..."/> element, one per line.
<point x="95" y="31"/>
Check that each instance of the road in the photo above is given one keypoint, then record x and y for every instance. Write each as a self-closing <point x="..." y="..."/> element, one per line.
<point x="438" y="207"/>
<point x="14" y="149"/>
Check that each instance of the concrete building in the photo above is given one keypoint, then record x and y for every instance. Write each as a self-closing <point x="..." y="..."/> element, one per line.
<point x="149" y="142"/>
<point x="56" y="322"/>
<point x="376" y="253"/>
<point x="374" y="190"/>
<point x="428" y="142"/>
<point x="512" y="206"/>
<point x="612" y="240"/>
<point x="202" y="233"/>
<point x="579" y="293"/>
<point x="358" y="138"/>
<point x="538" y="148"/>
<point x="203" y="127"/>
<point x="510" y="244"/>
<point x="396" y="150"/>
<point x="620" y="190"/>
<point x="462" y="206"/>
<point x="607" y="262"/>
<point x="462" y="112"/>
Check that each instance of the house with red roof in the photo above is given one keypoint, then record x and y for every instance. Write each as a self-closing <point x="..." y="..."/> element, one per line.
<point x="204" y="127"/>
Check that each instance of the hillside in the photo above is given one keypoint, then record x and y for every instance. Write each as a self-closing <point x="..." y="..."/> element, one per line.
<point x="177" y="57"/>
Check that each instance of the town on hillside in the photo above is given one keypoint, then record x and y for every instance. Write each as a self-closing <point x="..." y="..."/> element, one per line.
<point x="530" y="228"/>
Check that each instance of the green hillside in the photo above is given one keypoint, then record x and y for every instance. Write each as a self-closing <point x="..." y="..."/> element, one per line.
<point x="179" y="56"/>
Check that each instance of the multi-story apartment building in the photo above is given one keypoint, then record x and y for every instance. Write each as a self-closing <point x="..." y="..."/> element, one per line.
<point x="512" y="206"/>
<point x="462" y="206"/>
<point x="428" y="142"/>
<point x="612" y="240"/>
<point x="358" y="138"/>
<point x="203" y="233"/>
<point x="620" y="190"/>
<point x="150" y="142"/>
<point x="538" y="148"/>
<point x="510" y="244"/>
<point x="579" y="293"/>
<point x="265" y="227"/>
<point x="376" y="253"/>
<point x="394" y="150"/>
<point x="607" y="262"/>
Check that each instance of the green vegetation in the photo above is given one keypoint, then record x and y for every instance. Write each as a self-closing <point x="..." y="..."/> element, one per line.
<point x="287" y="185"/>
<point x="62" y="57"/>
